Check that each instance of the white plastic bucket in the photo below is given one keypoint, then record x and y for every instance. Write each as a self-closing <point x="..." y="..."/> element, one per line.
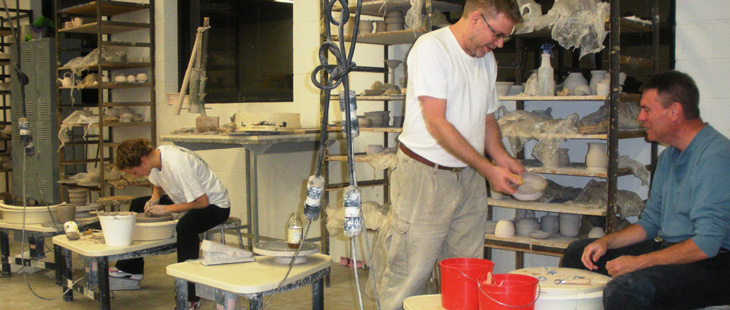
<point x="118" y="227"/>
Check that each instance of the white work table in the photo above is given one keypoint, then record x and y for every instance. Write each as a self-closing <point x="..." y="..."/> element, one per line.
<point x="253" y="145"/>
<point x="99" y="256"/>
<point x="35" y="235"/>
<point x="251" y="280"/>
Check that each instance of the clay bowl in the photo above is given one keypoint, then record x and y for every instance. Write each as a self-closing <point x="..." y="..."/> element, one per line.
<point x="532" y="188"/>
<point x="539" y="234"/>
<point x="503" y="88"/>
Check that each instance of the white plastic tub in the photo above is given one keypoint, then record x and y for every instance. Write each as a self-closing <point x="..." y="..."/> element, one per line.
<point x="33" y="214"/>
<point x="117" y="227"/>
<point x="560" y="296"/>
<point x="154" y="231"/>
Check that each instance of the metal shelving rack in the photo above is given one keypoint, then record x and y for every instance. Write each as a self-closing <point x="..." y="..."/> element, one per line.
<point x="386" y="39"/>
<point x="101" y="31"/>
<point x="556" y="246"/>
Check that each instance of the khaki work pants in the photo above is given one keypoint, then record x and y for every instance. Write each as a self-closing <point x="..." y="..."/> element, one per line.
<point x="435" y="214"/>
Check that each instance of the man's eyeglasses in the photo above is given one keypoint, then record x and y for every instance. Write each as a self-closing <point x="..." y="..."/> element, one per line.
<point x="500" y="36"/>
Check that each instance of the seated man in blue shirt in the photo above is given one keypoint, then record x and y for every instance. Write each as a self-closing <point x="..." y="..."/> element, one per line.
<point x="688" y="267"/>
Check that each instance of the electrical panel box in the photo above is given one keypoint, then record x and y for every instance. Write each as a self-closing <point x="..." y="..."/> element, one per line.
<point x="35" y="177"/>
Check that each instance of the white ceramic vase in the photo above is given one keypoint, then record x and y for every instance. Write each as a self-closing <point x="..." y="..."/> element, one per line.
<point x="569" y="224"/>
<point x="505" y="229"/>
<point x="596" y="158"/>
<point x="574" y="79"/>
<point x="596" y="77"/>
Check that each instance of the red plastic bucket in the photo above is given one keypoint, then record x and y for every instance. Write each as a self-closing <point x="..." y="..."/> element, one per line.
<point x="459" y="282"/>
<point x="508" y="292"/>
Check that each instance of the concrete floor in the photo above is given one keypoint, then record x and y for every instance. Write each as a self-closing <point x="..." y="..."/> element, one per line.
<point x="158" y="293"/>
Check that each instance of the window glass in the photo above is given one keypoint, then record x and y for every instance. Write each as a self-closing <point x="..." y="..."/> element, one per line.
<point x="249" y="48"/>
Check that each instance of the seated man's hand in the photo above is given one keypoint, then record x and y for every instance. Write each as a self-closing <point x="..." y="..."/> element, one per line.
<point x="158" y="210"/>
<point x="593" y="252"/>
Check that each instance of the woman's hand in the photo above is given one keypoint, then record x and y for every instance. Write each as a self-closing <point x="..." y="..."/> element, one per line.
<point x="158" y="210"/>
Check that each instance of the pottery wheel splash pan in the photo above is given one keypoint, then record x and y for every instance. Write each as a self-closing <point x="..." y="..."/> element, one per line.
<point x="143" y="218"/>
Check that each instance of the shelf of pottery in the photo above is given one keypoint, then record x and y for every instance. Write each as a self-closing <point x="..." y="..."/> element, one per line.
<point x="593" y="156"/>
<point x="110" y="84"/>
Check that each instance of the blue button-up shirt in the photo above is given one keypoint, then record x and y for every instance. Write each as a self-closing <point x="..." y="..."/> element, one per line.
<point x="690" y="194"/>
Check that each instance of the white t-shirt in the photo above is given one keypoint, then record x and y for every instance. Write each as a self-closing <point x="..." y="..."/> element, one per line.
<point x="438" y="67"/>
<point x="185" y="176"/>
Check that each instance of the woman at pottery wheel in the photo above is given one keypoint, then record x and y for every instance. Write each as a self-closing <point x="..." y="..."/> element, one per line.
<point x="183" y="182"/>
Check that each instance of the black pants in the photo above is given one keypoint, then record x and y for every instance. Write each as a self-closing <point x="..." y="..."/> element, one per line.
<point x="193" y="223"/>
<point x="686" y="286"/>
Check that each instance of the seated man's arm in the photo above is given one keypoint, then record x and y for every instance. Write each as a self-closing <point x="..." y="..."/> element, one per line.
<point x="681" y="253"/>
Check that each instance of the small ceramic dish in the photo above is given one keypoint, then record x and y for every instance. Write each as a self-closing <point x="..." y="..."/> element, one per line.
<point x="532" y="188"/>
<point x="539" y="234"/>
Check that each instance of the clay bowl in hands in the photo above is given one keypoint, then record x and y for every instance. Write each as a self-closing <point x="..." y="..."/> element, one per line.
<point x="532" y="188"/>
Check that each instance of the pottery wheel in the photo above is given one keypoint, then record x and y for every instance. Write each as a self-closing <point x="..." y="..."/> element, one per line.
<point x="282" y="253"/>
<point x="143" y="218"/>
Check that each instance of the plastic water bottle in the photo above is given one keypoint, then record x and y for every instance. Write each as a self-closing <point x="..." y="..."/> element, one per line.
<point x="546" y="74"/>
<point x="315" y="188"/>
<point x="353" y="212"/>
<point x="354" y="125"/>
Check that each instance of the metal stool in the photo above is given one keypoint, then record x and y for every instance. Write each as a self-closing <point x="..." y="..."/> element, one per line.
<point x="230" y="223"/>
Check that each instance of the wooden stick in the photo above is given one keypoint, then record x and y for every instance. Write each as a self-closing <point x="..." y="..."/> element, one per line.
<point x="186" y="79"/>
<point x="203" y="66"/>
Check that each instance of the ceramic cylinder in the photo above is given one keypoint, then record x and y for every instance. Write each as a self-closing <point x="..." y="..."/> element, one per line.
<point x="596" y="76"/>
<point x="569" y="224"/>
<point x="596" y="158"/>
<point x="66" y="213"/>
<point x="563" y="158"/>
<point x="550" y="222"/>
<point x="526" y="225"/>
<point x="603" y="88"/>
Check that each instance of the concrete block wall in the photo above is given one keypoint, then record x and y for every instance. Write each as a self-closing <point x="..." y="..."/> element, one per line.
<point x="703" y="53"/>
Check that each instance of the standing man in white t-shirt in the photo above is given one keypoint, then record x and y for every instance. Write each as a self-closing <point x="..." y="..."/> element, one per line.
<point x="438" y="191"/>
<point x="183" y="182"/>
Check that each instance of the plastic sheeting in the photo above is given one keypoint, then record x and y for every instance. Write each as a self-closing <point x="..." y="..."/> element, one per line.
<point x="521" y="126"/>
<point x="628" y="112"/>
<point x="628" y="202"/>
<point x="573" y="23"/>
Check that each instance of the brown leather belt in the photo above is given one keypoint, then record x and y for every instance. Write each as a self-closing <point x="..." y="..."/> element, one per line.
<point x="426" y="162"/>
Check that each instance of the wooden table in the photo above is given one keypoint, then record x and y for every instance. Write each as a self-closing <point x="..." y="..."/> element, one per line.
<point x="99" y="256"/>
<point x="252" y="280"/>
<point x="35" y="235"/>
